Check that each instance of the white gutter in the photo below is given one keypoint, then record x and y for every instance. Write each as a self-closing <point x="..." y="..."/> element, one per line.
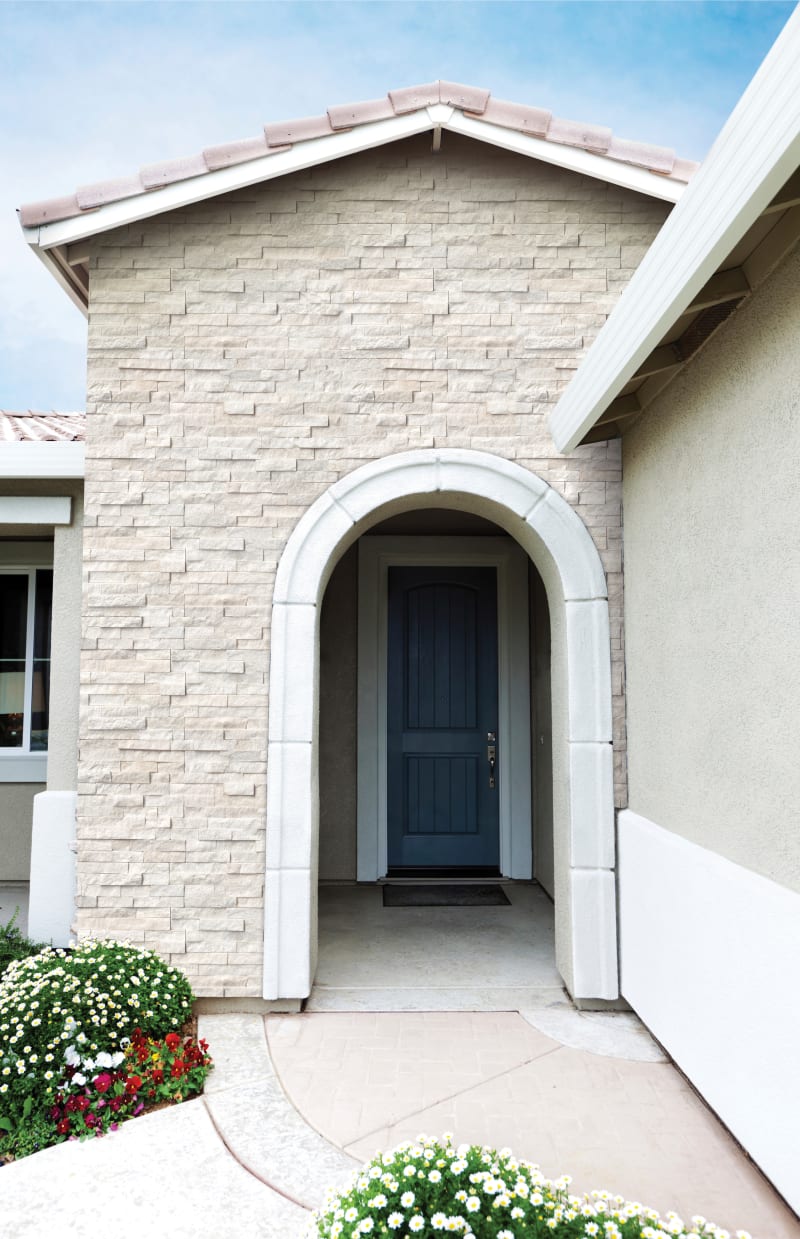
<point x="42" y="460"/>
<point x="755" y="153"/>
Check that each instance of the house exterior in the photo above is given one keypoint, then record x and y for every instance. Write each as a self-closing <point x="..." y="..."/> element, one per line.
<point x="367" y="398"/>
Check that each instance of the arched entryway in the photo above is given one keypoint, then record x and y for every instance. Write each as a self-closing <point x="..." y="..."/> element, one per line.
<point x="557" y="542"/>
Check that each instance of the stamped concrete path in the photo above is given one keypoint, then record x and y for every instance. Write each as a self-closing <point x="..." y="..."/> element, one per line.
<point x="295" y="1102"/>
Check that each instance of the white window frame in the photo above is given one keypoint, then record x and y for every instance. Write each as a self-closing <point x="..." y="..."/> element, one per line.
<point x="20" y="765"/>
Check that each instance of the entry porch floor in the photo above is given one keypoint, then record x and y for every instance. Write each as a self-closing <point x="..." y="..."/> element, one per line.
<point x="373" y="958"/>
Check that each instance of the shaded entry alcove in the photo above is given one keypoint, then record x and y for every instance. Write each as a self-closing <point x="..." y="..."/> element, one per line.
<point x="420" y="533"/>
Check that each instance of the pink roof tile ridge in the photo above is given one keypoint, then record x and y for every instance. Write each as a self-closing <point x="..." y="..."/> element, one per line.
<point x="472" y="100"/>
<point x="31" y="427"/>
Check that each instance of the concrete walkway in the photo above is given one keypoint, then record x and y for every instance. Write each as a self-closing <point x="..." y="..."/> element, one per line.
<point x="592" y="1096"/>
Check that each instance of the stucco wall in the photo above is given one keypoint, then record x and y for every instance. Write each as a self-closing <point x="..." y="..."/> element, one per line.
<point x="712" y="591"/>
<point x="16" y="818"/>
<point x="243" y="355"/>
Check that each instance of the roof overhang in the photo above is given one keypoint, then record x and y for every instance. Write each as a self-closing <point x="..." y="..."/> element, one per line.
<point x="747" y="174"/>
<point x="42" y="460"/>
<point x="62" y="244"/>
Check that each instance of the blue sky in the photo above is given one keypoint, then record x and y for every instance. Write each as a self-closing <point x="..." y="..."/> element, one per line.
<point x="93" y="90"/>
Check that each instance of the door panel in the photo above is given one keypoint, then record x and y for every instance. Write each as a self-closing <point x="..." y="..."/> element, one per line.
<point x="442" y="703"/>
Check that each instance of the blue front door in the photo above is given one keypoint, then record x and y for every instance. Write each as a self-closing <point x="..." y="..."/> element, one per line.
<point x="442" y="706"/>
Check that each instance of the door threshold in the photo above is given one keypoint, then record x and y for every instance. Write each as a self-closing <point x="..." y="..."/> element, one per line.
<point x="455" y="875"/>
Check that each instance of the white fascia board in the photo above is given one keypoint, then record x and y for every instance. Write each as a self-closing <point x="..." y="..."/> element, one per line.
<point x="35" y="509"/>
<point x="42" y="460"/>
<point x="224" y="181"/>
<point x="755" y="153"/>
<point x="571" y="157"/>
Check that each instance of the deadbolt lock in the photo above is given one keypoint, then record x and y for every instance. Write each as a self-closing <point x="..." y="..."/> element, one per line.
<point x="491" y="755"/>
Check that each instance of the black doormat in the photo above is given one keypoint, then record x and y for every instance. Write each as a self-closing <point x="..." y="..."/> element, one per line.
<point x="450" y="896"/>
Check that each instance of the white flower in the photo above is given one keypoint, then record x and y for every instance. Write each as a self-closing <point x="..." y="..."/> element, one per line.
<point x="394" y="1220"/>
<point x="78" y="1078"/>
<point x="366" y="1225"/>
<point x="416" y="1223"/>
<point x="407" y="1200"/>
<point x="505" y="1234"/>
<point x="438" y="1221"/>
<point x="434" y="1176"/>
<point x="473" y="1204"/>
<point x="350" y="1214"/>
<point x="378" y="1202"/>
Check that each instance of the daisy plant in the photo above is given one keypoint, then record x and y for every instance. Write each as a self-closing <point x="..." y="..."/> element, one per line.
<point x="429" y="1187"/>
<point x="70" y="1011"/>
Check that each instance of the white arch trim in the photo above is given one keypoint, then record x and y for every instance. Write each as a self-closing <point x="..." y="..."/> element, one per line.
<point x="559" y="544"/>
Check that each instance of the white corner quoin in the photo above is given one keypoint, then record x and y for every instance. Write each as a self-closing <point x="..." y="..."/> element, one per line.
<point x="558" y="543"/>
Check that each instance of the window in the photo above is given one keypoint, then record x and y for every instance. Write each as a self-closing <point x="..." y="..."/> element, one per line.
<point x="26" y="603"/>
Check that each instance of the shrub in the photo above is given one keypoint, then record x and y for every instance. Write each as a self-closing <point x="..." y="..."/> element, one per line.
<point x="93" y="997"/>
<point x="14" y="944"/>
<point x="422" y="1189"/>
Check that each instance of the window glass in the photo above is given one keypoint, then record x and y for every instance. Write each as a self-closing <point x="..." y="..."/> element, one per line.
<point x="40" y="701"/>
<point x="13" y="630"/>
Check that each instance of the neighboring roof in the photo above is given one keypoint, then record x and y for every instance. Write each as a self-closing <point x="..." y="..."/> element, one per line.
<point x="33" y="427"/>
<point x="736" y="221"/>
<point x="54" y="225"/>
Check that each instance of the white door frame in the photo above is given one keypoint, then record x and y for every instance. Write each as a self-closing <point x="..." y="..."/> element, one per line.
<point x="375" y="556"/>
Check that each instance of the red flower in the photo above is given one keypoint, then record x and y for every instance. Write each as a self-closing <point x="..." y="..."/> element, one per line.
<point x="82" y="1103"/>
<point x="133" y="1084"/>
<point x="102" y="1082"/>
<point x="172" y="1041"/>
<point x="90" y="1119"/>
<point x="157" y="1076"/>
<point x="72" y="1104"/>
<point x="115" y="1103"/>
<point x="178" y="1068"/>
<point x="63" y="1127"/>
<point x="55" y="1112"/>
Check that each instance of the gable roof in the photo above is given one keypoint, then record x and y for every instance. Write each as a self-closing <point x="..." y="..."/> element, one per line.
<point x="53" y="225"/>
<point x="737" y="220"/>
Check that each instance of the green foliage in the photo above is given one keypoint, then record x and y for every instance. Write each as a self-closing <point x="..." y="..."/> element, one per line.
<point x="423" y="1188"/>
<point x="92" y="997"/>
<point x="35" y="1133"/>
<point x="14" y="944"/>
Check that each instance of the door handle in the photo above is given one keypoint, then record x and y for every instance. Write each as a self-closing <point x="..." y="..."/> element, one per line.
<point x="491" y="755"/>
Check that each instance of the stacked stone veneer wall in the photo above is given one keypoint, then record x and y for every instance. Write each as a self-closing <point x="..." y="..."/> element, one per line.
<point x="244" y="354"/>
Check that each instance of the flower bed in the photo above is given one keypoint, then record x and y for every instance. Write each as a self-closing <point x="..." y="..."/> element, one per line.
<point x="88" y="1038"/>
<point x="429" y="1187"/>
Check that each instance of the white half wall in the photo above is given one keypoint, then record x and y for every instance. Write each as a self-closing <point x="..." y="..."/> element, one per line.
<point x="51" y="909"/>
<point x="709" y="957"/>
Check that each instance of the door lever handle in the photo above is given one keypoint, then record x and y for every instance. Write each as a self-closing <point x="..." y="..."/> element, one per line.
<point x="491" y="755"/>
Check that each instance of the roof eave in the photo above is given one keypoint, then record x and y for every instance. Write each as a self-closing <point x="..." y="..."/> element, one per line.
<point x="754" y="155"/>
<point x="51" y="240"/>
<point x="42" y="460"/>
